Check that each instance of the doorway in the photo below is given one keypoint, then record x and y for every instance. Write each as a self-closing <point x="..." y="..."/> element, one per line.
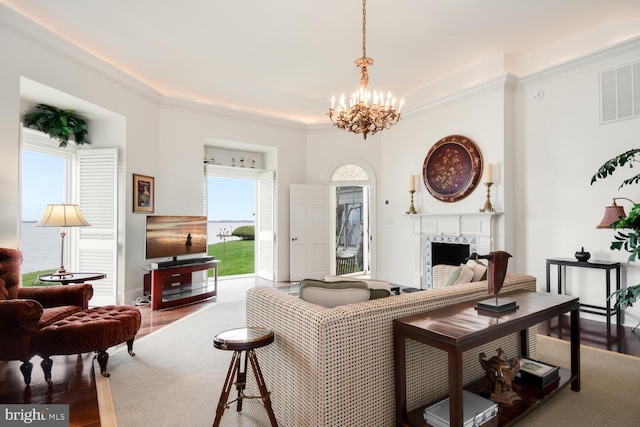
<point x="352" y="249"/>
<point x="353" y="184"/>
<point x="231" y="205"/>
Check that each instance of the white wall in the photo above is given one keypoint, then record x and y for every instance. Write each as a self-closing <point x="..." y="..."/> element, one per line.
<point x="559" y="147"/>
<point x="476" y="114"/>
<point x="183" y="134"/>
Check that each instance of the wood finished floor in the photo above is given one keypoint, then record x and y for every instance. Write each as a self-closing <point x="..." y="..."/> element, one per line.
<point x="74" y="384"/>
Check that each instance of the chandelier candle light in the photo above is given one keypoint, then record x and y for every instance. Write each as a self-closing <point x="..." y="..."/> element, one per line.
<point x="488" y="181"/>
<point x="368" y="112"/>
<point x="412" y="189"/>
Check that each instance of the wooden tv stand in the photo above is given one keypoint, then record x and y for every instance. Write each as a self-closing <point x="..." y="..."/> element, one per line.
<point x="174" y="286"/>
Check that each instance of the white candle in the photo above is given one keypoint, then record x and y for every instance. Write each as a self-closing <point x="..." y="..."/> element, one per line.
<point x="488" y="173"/>
<point x="412" y="183"/>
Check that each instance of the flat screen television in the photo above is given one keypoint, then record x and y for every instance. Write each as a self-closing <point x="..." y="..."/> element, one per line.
<point x="174" y="235"/>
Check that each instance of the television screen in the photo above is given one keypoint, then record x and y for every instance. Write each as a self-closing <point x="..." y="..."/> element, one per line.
<point x="170" y="236"/>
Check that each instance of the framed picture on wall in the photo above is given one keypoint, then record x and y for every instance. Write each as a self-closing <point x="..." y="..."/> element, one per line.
<point x="143" y="193"/>
<point x="452" y="168"/>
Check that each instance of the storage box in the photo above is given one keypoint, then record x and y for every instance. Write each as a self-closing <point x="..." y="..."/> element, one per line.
<point x="536" y="373"/>
<point x="476" y="411"/>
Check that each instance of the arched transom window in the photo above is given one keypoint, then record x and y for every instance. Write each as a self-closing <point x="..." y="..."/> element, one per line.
<point x="349" y="172"/>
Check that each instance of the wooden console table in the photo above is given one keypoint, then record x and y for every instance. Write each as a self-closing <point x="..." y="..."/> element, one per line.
<point x="461" y="327"/>
<point x="563" y="263"/>
<point x="174" y="286"/>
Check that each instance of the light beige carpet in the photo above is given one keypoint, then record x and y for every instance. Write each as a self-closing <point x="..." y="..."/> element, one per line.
<point x="609" y="393"/>
<point x="176" y="377"/>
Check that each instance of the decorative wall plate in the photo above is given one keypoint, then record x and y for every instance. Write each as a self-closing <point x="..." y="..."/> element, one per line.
<point x="452" y="168"/>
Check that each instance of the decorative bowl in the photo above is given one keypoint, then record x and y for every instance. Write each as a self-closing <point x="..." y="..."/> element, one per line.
<point x="582" y="256"/>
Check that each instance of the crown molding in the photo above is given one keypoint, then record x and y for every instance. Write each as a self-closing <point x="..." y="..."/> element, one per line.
<point x="32" y="32"/>
<point x="625" y="51"/>
<point x="44" y="38"/>
<point x="507" y="81"/>
<point x="229" y="112"/>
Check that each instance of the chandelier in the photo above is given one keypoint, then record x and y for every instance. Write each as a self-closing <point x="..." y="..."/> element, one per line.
<point x="368" y="112"/>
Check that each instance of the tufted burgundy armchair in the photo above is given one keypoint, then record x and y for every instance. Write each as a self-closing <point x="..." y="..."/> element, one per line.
<point x="24" y="311"/>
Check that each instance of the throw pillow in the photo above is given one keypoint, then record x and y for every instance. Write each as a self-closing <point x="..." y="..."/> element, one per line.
<point x="332" y="294"/>
<point x="479" y="270"/>
<point x="459" y="275"/>
<point x="378" y="293"/>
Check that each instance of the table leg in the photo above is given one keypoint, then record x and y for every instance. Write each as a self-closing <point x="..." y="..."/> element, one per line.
<point x="618" y="312"/>
<point x="455" y="387"/>
<point x="559" y="280"/>
<point x="264" y="393"/>
<point x="548" y="277"/>
<point x="241" y="382"/>
<point x="226" y="389"/>
<point x="575" y="349"/>
<point x="524" y="342"/>
<point x="156" y="289"/>
<point x="608" y="300"/>
<point x="399" y="366"/>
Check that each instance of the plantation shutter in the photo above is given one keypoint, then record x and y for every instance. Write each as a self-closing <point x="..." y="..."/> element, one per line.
<point x="265" y="236"/>
<point x="97" y="195"/>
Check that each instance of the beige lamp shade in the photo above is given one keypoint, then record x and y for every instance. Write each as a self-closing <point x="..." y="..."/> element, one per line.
<point x="612" y="214"/>
<point x="62" y="215"/>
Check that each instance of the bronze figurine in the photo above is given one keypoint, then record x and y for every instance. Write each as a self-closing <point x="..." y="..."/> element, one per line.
<point x="501" y="373"/>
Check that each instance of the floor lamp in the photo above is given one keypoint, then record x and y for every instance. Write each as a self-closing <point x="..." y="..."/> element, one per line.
<point x="62" y="215"/>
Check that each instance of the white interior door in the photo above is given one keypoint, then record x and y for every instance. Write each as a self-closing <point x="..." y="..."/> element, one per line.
<point x="310" y="242"/>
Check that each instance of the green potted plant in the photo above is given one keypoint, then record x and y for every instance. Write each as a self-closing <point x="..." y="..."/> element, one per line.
<point x="60" y="125"/>
<point x="629" y="239"/>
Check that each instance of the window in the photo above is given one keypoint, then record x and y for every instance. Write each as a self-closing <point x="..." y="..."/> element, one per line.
<point x="88" y="178"/>
<point x="43" y="182"/>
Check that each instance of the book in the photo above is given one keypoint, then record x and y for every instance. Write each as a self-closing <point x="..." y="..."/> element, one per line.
<point x="476" y="411"/>
<point x="536" y="373"/>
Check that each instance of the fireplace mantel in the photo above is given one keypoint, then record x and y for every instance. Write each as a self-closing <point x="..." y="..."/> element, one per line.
<point x="476" y="229"/>
<point x="454" y="224"/>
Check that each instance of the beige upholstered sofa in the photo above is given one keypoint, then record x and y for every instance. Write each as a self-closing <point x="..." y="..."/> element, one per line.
<point x="334" y="366"/>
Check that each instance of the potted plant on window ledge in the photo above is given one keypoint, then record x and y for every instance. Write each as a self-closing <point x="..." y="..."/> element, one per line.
<point x="59" y="124"/>
<point x="629" y="240"/>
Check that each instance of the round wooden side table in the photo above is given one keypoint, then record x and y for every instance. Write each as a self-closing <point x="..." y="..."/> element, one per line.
<point x="247" y="340"/>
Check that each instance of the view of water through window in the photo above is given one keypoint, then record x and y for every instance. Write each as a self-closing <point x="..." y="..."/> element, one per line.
<point x="42" y="184"/>
<point x="231" y="207"/>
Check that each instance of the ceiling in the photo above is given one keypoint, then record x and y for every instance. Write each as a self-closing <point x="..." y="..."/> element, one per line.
<point x="286" y="58"/>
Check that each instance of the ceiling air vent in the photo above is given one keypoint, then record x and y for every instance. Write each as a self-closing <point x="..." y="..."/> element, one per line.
<point x="620" y="93"/>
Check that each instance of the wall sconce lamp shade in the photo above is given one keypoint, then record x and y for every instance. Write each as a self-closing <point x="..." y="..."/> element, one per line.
<point x="62" y="215"/>
<point x="613" y="213"/>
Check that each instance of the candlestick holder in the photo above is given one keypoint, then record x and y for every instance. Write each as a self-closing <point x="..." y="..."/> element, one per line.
<point x="412" y="210"/>
<point x="487" y="205"/>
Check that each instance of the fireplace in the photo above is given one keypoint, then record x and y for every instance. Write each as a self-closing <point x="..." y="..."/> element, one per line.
<point x="449" y="253"/>
<point x="450" y="250"/>
<point x="450" y="238"/>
